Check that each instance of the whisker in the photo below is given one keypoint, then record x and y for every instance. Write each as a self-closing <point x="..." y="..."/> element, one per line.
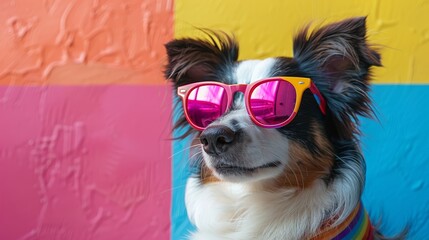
<point x="183" y="150"/>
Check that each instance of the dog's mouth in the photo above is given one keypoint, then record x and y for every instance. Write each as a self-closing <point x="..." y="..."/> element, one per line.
<point x="227" y="169"/>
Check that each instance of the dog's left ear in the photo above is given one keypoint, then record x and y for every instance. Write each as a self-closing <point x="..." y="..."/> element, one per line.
<point x="338" y="59"/>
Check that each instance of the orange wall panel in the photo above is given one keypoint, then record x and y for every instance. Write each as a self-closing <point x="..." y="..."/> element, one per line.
<point x="100" y="42"/>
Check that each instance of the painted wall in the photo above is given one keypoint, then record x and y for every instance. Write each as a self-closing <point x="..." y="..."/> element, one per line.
<point x="396" y="146"/>
<point x="84" y="120"/>
<point x="85" y="114"/>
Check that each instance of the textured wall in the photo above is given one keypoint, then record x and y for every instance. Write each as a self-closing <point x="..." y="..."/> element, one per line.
<point x="84" y="119"/>
<point x="396" y="147"/>
<point x="85" y="112"/>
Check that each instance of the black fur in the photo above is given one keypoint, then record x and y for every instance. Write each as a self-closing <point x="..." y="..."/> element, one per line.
<point x="195" y="60"/>
<point x="338" y="59"/>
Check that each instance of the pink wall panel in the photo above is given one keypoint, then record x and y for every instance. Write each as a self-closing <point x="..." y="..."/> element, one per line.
<point x="84" y="162"/>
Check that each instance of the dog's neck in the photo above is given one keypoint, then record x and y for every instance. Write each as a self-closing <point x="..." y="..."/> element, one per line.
<point x="222" y="210"/>
<point x="356" y="226"/>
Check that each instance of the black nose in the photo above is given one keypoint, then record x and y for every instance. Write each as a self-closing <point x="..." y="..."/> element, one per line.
<point x="217" y="139"/>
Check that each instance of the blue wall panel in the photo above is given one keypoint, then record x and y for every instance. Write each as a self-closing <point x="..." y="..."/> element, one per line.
<point x="397" y="154"/>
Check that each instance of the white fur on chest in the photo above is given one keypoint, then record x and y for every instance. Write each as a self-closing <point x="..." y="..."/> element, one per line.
<point x="242" y="211"/>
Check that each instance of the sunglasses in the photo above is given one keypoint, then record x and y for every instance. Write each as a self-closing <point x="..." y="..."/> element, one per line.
<point x="270" y="103"/>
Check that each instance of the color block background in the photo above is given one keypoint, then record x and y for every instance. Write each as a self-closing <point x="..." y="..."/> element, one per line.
<point x="85" y="114"/>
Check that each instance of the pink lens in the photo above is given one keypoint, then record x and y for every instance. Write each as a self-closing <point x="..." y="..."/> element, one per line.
<point x="272" y="102"/>
<point x="205" y="104"/>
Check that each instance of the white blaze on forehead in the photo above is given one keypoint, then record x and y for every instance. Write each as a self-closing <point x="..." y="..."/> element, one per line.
<point x="250" y="71"/>
<point x="253" y="70"/>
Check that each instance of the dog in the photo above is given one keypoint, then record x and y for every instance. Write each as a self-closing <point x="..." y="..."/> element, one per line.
<point x="275" y="151"/>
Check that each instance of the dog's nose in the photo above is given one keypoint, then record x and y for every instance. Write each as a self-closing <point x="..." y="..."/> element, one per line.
<point x="217" y="139"/>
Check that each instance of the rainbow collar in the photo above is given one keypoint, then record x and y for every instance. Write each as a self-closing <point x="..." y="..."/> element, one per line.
<point x="357" y="226"/>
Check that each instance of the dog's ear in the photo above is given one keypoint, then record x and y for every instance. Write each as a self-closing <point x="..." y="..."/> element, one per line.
<point x="338" y="59"/>
<point x="194" y="60"/>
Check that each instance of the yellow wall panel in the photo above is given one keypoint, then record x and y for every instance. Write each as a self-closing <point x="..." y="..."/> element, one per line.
<point x="266" y="28"/>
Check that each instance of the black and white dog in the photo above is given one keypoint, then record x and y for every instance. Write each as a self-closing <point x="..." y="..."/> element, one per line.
<point x="292" y="175"/>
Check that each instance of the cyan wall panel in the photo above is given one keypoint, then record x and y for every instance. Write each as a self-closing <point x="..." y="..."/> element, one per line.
<point x="396" y="149"/>
<point x="180" y="224"/>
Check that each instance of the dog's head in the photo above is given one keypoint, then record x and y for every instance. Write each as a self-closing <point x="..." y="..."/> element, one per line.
<point x="335" y="57"/>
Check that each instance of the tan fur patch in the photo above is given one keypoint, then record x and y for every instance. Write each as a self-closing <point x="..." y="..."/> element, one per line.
<point x="305" y="167"/>
<point x="206" y="175"/>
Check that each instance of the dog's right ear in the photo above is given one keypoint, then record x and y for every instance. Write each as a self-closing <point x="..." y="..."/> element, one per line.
<point x="195" y="60"/>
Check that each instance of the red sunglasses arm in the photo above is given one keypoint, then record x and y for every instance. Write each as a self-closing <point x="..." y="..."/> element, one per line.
<point x="319" y="98"/>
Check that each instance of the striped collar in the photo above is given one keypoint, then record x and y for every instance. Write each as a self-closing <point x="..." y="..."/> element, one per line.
<point x="357" y="226"/>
